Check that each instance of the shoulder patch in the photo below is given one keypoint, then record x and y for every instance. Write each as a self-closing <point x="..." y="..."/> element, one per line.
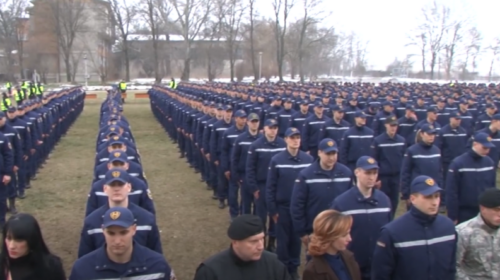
<point x="9" y="145"/>
<point x="297" y="181"/>
<point x="148" y="191"/>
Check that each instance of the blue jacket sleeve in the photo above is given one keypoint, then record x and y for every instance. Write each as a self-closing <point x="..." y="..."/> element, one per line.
<point x="251" y="170"/>
<point x="27" y="141"/>
<point x="225" y="150"/>
<point x="451" y="189"/>
<point x="406" y="170"/>
<point x="375" y="126"/>
<point x="18" y="149"/>
<point x="86" y="244"/>
<point x="272" y="188"/>
<point x="213" y="144"/>
<point x="384" y="257"/>
<point x="154" y="240"/>
<point x="305" y="136"/>
<point x="91" y="203"/>
<point x="344" y="148"/>
<point x="146" y="201"/>
<point x="298" y="205"/>
<point x="8" y="156"/>
<point x="235" y="159"/>
<point x="206" y="140"/>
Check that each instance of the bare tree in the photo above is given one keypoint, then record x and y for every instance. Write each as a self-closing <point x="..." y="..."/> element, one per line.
<point x="282" y="10"/>
<point x="12" y="32"/>
<point x="153" y="19"/>
<point x="70" y="19"/>
<point x="494" y="50"/>
<point x="231" y="21"/>
<point x="420" y="41"/>
<point x="191" y="15"/>
<point x="212" y="33"/>
<point x="251" y="31"/>
<point x="473" y="40"/>
<point x="167" y="26"/>
<point x="124" y="13"/>
<point x="454" y="37"/>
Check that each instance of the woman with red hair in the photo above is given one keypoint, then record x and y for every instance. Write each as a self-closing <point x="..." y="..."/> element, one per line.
<point x="330" y="258"/>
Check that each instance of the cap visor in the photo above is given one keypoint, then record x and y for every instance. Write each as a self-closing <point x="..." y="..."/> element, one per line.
<point x="116" y="180"/>
<point x="293" y="133"/>
<point x="488" y="145"/>
<point x="117" y="224"/>
<point x="116" y="142"/>
<point x="430" y="190"/>
<point x="330" y="149"/>
<point x="272" y="125"/>
<point x="253" y="119"/>
<point x="118" y="160"/>
<point x="432" y="131"/>
<point x="369" y="167"/>
<point x="393" y="123"/>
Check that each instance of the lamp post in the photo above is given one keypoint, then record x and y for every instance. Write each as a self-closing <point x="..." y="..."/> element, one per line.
<point x="260" y="66"/>
<point x="86" y="75"/>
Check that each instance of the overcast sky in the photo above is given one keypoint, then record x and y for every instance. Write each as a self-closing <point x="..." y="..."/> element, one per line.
<point x="386" y="23"/>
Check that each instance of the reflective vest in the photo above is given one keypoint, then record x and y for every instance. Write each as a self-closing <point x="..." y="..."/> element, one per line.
<point x="4" y="106"/>
<point x="18" y="95"/>
<point x="25" y="85"/>
<point x="172" y="85"/>
<point x="123" y="86"/>
<point x="39" y="90"/>
<point x="8" y="85"/>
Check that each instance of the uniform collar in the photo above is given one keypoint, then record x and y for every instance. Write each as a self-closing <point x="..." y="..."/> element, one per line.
<point x="136" y="264"/>
<point x="421" y="217"/>
<point x="360" y="198"/>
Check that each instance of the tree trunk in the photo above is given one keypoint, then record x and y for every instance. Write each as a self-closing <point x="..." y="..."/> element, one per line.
<point x="231" y="63"/>
<point x="490" y="73"/>
<point x="252" y="47"/>
<point x="433" y="64"/>
<point x="67" y="65"/>
<point x="187" y="63"/>
<point x="168" y="67"/>
<point x="156" y="66"/>
<point x="127" y="61"/>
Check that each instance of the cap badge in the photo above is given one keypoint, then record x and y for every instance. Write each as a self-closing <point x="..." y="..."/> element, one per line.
<point x="330" y="143"/>
<point x="112" y="129"/>
<point x="294" y="129"/>
<point x="114" y="215"/>
<point x="429" y="182"/>
<point x="371" y="161"/>
<point x="115" y="138"/>
<point x="488" y="138"/>
<point x="431" y="126"/>
<point x="115" y="174"/>
<point x="116" y="154"/>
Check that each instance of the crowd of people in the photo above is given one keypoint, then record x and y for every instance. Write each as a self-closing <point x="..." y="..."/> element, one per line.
<point x="326" y="166"/>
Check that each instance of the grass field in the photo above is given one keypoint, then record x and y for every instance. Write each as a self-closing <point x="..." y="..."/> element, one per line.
<point x="192" y="227"/>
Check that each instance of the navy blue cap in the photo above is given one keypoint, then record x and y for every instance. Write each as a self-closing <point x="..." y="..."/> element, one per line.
<point x="424" y="185"/>
<point x="288" y="100"/>
<point x="12" y="110"/>
<point x="391" y="120"/>
<point x="431" y="110"/>
<point x="463" y="101"/>
<point x="366" y="163"/>
<point x="490" y="106"/>
<point x="271" y="122"/>
<point x="116" y="140"/>
<point x="253" y="117"/>
<point x="220" y="107"/>
<point x="455" y="115"/>
<point x="318" y="104"/>
<point x="205" y="103"/>
<point x="304" y="102"/>
<point x="337" y="108"/>
<point x="116" y="175"/>
<point x="291" y="131"/>
<point x="387" y="103"/>
<point x="359" y="114"/>
<point x="113" y="129"/>
<point x="212" y="104"/>
<point x="118" y="216"/>
<point x="410" y="107"/>
<point x="118" y="155"/>
<point x="428" y="128"/>
<point x="483" y="139"/>
<point x="228" y="108"/>
<point x="240" y="114"/>
<point x="328" y="145"/>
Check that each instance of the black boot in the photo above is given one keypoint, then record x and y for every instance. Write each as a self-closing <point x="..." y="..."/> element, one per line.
<point x="12" y="206"/>
<point x="222" y="205"/>
<point x="271" y="247"/>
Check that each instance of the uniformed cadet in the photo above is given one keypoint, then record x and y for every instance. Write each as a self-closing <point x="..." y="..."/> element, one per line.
<point x="18" y="96"/>
<point x="19" y="181"/>
<point x="239" y="161"/>
<point x="283" y="170"/>
<point x="316" y="187"/>
<point x="121" y="256"/>
<point x="299" y="118"/>
<point x="216" y="136"/>
<point x="6" y="173"/>
<point x="228" y="141"/>
<point x="467" y="119"/>
<point x="370" y="209"/>
<point x="259" y="156"/>
<point x="478" y="240"/>
<point x="118" y="158"/>
<point x="15" y="141"/>
<point x="493" y="130"/>
<point x="8" y="85"/>
<point x="407" y="124"/>
<point x="311" y="130"/>
<point x="285" y="117"/>
<point x="420" y="244"/>
<point x="484" y="120"/>
<point x="453" y="141"/>
<point x="356" y="141"/>
<point x="422" y="158"/>
<point x="207" y="132"/>
<point x="429" y="120"/>
<point x="117" y="143"/>
<point x="469" y="175"/>
<point x="335" y="127"/>
<point x="117" y="189"/>
<point x="140" y="194"/>
<point x="378" y="126"/>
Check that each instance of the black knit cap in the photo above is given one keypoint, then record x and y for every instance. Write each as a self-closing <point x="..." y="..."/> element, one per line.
<point x="244" y="226"/>
<point x="490" y="198"/>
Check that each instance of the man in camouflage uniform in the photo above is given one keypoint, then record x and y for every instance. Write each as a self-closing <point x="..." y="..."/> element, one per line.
<point x="479" y="240"/>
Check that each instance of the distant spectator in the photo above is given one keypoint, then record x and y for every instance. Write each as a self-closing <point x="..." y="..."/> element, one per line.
<point x="25" y="255"/>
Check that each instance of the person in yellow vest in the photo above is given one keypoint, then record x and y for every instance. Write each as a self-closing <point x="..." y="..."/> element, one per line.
<point x="172" y="84"/>
<point x="123" y="89"/>
<point x="18" y="95"/>
<point x="39" y="90"/>
<point x="6" y="102"/>
<point x="32" y="88"/>
<point x="25" y="89"/>
<point x="8" y="85"/>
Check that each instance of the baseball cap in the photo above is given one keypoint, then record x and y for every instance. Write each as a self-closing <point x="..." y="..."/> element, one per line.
<point x="116" y="140"/>
<point x="328" y="145"/>
<point x="118" y="155"/>
<point x="271" y="122"/>
<point x="318" y="104"/>
<point x="304" y="102"/>
<point x="392" y="120"/>
<point x="116" y="175"/>
<point x="291" y="131"/>
<point x="366" y="163"/>
<point x="424" y="185"/>
<point x="455" y="115"/>
<point x="220" y="107"/>
<point x="428" y="128"/>
<point x="253" y="117"/>
<point x="240" y="114"/>
<point x="337" y="108"/>
<point x="228" y="108"/>
<point x="387" y="103"/>
<point x="490" y="106"/>
<point x="359" y="114"/>
<point x="410" y="107"/>
<point x="118" y="216"/>
<point x="431" y="110"/>
<point x="12" y="110"/>
<point x="483" y="139"/>
<point x="113" y="129"/>
<point x="20" y="107"/>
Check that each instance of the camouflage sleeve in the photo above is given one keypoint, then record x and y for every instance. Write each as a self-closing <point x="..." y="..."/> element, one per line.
<point x="462" y="244"/>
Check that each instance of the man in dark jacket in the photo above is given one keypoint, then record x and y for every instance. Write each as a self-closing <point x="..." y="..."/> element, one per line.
<point x="246" y="259"/>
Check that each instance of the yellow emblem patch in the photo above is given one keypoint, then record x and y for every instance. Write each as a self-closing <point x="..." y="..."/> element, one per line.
<point x="431" y="126"/>
<point x="429" y="182"/>
<point x="116" y="154"/>
<point x="112" y="129"/>
<point x="489" y="139"/>
<point x="116" y="138"/>
<point x="114" y="215"/>
<point x="371" y="161"/>
<point x="115" y="174"/>
<point x="330" y="143"/>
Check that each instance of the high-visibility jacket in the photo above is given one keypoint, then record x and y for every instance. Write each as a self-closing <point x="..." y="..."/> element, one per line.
<point x="5" y="104"/>
<point x="172" y="84"/>
<point x="8" y="85"/>
<point x="39" y="90"/>
<point x="18" y="95"/>
<point x="123" y="85"/>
